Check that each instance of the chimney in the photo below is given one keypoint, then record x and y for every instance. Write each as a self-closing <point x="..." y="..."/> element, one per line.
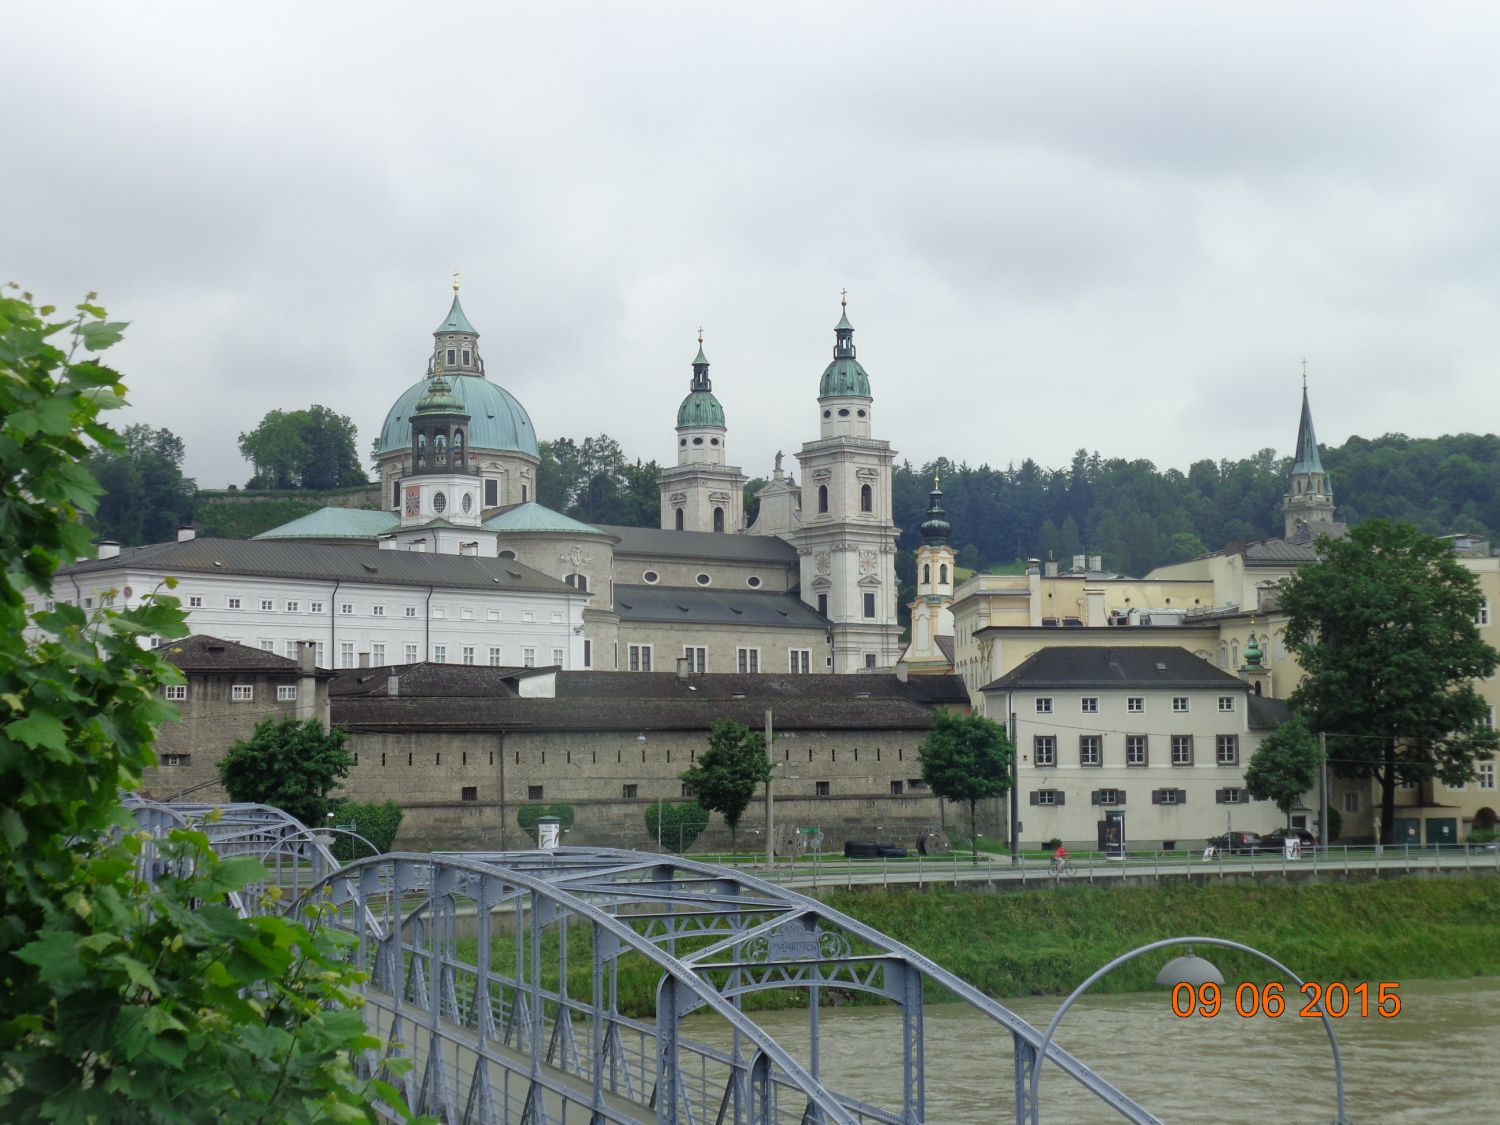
<point x="1096" y="562"/>
<point x="1051" y="568"/>
<point x="1079" y="562"/>
<point x="306" y="653"/>
<point x="186" y="533"/>
<point x="307" y="682"/>
<point x="901" y="672"/>
<point x="393" y="686"/>
<point x="684" y="667"/>
<point x="108" y="549"/>
<point x="364" y="660"/>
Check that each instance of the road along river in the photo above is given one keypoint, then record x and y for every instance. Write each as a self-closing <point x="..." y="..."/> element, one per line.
<point x="1438" y="1059"/>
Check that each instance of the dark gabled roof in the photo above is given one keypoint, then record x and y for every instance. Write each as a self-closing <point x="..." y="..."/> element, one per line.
<point x="945" y="646"/>
<point x="202" y="653"/>
<point x="944" y="690"/>
<point x="1279" y="552"/>
<point x="433" y="680"/>
<point x="1267" y="714"/>
<point x="708" y="606"/>
<point x="641" y="702"/>
<point x="1108" y="667"/>
<point x="653" y="542"/>
<point x="325" y="562"/>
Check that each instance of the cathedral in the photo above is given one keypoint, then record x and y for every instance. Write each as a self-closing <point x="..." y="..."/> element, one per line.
<point x="809" y="587"/>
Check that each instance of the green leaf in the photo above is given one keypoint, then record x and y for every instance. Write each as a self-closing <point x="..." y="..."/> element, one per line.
<point x="236" y="873"/>
<point x="103" y="334"/>
<point x="55" y="956"/>
<point x="12" y="827"/>
<point x="40" y="729"/>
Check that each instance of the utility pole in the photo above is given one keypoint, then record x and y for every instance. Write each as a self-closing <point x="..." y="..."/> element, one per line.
<point x="1323" y="786"/>
<point x="1015" y="791"/>
<point x="770" y="800"/>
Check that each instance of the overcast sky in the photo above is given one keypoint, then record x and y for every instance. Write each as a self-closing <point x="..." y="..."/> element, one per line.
<point x="1119" y="226"/>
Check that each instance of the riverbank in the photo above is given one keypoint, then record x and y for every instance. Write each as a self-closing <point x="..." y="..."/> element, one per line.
<point x="1045" y="943"/>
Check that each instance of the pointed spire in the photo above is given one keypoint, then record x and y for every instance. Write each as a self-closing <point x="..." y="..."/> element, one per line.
<point x="1307" y="459"/>
<point x="935" y="528"/>
<point x="700" y="368"/>
<point x="456" y="321"/>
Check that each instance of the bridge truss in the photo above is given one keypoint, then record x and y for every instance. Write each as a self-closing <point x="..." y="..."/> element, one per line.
<point x="498" y="974"/>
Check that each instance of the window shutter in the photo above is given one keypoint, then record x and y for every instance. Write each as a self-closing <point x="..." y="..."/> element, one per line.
<point x="1094" y="797"/>
<point x="1182" y="796"/>
<point x="1120" y="797"/>
<point x="1035" y="798"/>
<point x="1219" y="797"/>
<point x="1060" y="798"/>
<point x="1156" y="796"/>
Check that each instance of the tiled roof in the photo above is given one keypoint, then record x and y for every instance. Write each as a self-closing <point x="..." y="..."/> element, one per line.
<point x="427" y="679"/>
<point x="1267" y="714"/>
<point x="326" y="562"/>
<point x="1109" y="667"/>
<point x="707" y="606"/>
<point x="1279" y="552"/>
<point x="201" y="653"/>
<point x="654" y="542"/>
<point x="532" y="516"/>
<point x="335" y="523"/>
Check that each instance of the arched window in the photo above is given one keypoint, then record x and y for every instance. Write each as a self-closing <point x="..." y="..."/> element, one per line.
<point x="679" y="519"/>
<point x="943" y="574"/>
<point x="440" y="449"/>
<point x="525" y="494"/>
<point x="458" y="445"/>
<point x="926" y="573"/>
<point x="578" y="582"/>
<point x="718" y="519"/>
<point x="822" y="498"/>
<point x="866" y="498"/>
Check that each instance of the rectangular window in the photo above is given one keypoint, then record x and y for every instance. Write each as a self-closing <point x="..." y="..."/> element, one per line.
<point x="557" y="657"/>
<point x="1351" y="801"/>
<point x="1167" y="796"/>
<point x="294" y="607"/>
<point x="1090" y="750"/>
<point x="528" y="658"/>
<point x="528" y="615"/>
<point x="1182" y="749"/>
<point x="314" y="607"/>
<point x="1179" y="704"/>
<point x="1227" y="749"/>
<point x="1108" y="797"/>
<point x="466" y="614"/>
<point x="377" y="654"/>
<point x="1484" y="615"/>
<point x="1230" y="796"/>
<point x="869" y="605"/>
<point x="639" y="658"/>
<point x="468" y="651"/>
<point x="346" y="608"/>
<point x="491" y="493"/>
<point x="629" y="792"/>
<point x="821" y="789"/>
<point x="175" y="692"/>
<point x="440" y="654"/>
<point x="1226" y="704"/>
<point x="799" y="660"/>
<point x="1044" y="750"/>
<point x="1089" y="704"/>
<point x="267" y="605"/>
<point x="411" y="610"/>
<point x="286" y="693"/>
<point x="869" y="660"/>
<point x="494" y="656"/>
<point x="1044" y="705"/>
<point x="1486" y="775"/>
<point x="697" y="657"/>
<point x="291" y="650"/>
<point x="588" y="653"/>
<point x="534" y="793"/>
<point x="1047" y="797"/>
<point x="823" y="605"/>
<point x="492" y="615"/>
<point x="1136" y="751"/>
<point x="242" y="693"/>
<point x="318" y="654"/>
<point x="346" y="654"/>
<point x="377" y="610"/>
<point x="411" y="654"/>
<point x="748" y="660"/>
<point x="1135" y="704"/>
<point x="688" y="792"/>
<point x="267" y="646"/>
<point x="176" y="759"/>
<point x="469" y="793"/>
<point x="195" y="601"/>
<point x="896" y="788"/>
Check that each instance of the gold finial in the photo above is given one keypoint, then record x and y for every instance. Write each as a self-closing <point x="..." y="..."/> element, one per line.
<point x="700" y="335"/>
<point x="844" y="297"/>
<point x="937" y="480"/>
<point x="455" y="281"/>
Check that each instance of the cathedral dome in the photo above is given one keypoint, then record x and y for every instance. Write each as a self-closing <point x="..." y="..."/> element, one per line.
<point x="496" y="420"/>
<point x="700" y="408"/>
<point x="844" y="377"/>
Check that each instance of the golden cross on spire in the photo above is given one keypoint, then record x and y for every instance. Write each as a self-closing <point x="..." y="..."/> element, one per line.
<point x="1304" y="374"/>
<point x="455" y="281"/>
<point x="700" y="335"/>
<point x="844" y="297"/>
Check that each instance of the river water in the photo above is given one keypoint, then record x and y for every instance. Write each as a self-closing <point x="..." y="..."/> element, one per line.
<point x="1438" y="1060"/>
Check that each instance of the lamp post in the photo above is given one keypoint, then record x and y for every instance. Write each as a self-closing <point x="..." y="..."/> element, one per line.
<point x="770" y="800"/>
<point x="1187" y="969"/>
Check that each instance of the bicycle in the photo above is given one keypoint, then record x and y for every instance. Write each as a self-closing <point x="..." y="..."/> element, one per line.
<point x="1061" y="868"/>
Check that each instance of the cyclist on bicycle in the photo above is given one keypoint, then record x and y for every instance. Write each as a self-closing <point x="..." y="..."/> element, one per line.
<point x="1059" y="858"/>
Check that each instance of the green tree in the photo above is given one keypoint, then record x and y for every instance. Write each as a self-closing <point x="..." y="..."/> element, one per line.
<point x="675" y="827"/>
<point x="728" y="773"/>
<point x="1285" y="766"/>
<point x="291" y="765"/>
<point x="966" y="758"/>
<point x="1384" y="626"/>
<point x="122" y="1001"/>
<point x="146" y="498"/>
<point x="376" y="823"/>
<point x="314" y="448"/>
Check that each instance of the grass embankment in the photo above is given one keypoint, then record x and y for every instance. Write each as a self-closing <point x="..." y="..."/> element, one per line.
<point x="1047" y="942"/>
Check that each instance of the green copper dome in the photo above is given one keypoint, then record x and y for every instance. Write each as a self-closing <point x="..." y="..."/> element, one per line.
<point x="496" y="420"/>
<point x="936" y="528"/>
<point x="456" y="321"/>
<point x="440" y="398"/>
<point x="844" y="377"/>
<point x="700" y="408"/>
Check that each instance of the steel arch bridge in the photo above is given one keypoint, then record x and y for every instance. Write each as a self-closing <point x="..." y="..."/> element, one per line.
<point x="498" y="975"/>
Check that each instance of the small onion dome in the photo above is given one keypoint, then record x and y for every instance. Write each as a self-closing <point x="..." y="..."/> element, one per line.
<point x="1253" y="654"/>
<point x="935" y="529"/>
<point x="440" y="398"/>
<point x="844" y="377"/>
<point x="700" y="408"/>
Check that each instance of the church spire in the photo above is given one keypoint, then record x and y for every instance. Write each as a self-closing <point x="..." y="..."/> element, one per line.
<point x="936" y="528"/>
<point x="1307" y="459"/>
<point x="1308" y="507"/>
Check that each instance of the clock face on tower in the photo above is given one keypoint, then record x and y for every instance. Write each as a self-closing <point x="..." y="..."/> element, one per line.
<point x="414" y="501"/>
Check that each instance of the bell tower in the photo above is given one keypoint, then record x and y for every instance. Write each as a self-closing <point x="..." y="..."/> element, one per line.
<point x="931" y="617"/>
<point x="1308" y="506"/>
<point x="701" y="492"/>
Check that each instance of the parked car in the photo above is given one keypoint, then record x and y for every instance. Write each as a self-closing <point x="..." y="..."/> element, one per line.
<point x="1277" y="839"/>
<point x="1242" y="843"/>
<point x="869" y="849"/>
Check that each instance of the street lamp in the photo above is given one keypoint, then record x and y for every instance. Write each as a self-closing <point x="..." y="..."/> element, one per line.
<point x="1192" y="970"/>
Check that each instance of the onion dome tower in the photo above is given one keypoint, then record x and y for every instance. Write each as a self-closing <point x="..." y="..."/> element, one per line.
<point x="701" y="492"/>
<point x="847" y="538"/>
<point x="931" y="615"/>
<point x="444" y="481"/>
